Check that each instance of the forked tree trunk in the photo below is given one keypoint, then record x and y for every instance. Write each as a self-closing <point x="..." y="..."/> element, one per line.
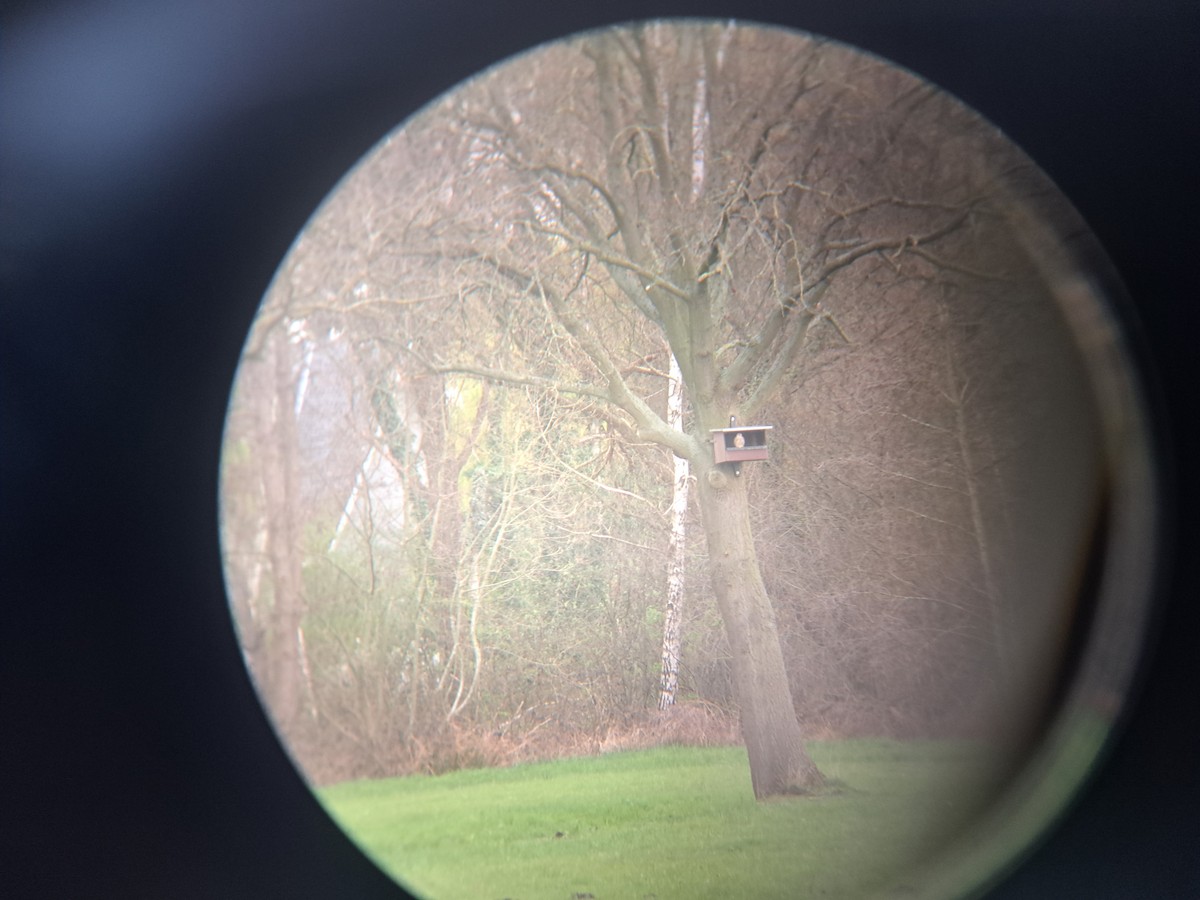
<point x="779" y="762"/>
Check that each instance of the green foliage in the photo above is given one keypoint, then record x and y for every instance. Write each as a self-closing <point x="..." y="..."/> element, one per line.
<point x="668" y="823"/>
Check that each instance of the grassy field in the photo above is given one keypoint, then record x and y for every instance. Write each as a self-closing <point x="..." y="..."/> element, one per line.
<point x="674" y="822"/>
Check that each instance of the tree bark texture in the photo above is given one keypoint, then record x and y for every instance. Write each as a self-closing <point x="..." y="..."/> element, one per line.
<point x="779" y="762"/>
<point x="676" y="548"/>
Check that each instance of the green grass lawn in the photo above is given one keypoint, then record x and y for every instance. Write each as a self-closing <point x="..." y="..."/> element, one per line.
<point x="674" y="822"/>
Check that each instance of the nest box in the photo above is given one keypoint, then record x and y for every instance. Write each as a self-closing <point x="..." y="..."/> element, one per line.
<point x="740" y="443"/>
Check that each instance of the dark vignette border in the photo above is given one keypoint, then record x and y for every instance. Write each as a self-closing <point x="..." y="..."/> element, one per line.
<point x="157" y="160"/>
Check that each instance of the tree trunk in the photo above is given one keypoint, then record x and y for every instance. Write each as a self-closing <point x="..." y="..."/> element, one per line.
<point x="278" y="443"/>
<point x="779" y="762"/>
<point x="672" y="645"/>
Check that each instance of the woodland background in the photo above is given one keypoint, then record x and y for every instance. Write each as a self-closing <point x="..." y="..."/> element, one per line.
<point x="432" y="568"/>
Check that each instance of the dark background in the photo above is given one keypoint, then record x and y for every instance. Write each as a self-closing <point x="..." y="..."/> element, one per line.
<point x="156" y="161"/>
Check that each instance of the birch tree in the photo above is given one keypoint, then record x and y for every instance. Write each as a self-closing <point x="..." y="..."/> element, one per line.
<point x="672" y="642"/>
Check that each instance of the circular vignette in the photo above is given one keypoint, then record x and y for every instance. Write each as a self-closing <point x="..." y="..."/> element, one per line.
<point x="490" y="306"/>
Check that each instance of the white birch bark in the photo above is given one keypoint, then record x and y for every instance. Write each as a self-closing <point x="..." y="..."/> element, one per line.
<point x="672" y="619"/>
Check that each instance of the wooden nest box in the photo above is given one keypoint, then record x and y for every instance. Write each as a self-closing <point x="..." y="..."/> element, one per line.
<point x="740" y="443"/>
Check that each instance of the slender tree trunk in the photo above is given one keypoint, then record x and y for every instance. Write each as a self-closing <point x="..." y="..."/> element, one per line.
<point x="959" y="390"/>
<point x="285" y="674"/>
<point x="779" y="762"/>
<point x="979" y="529"/>
<point x="673" y="618"/>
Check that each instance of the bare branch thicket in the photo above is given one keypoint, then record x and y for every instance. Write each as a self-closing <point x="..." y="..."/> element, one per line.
<point x="821" y="241"/>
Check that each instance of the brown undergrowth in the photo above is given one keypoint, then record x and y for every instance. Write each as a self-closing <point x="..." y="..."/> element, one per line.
<point x="457" y="746"/>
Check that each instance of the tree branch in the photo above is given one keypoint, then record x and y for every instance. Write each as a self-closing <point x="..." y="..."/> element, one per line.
<point x="650" y="425"/>
<point x="755" y="353"/>
<point x="897" y="244"/>
<point x="779" y="366"/>
<point x="503" y="376"/>
<point x="651" y="279"/>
